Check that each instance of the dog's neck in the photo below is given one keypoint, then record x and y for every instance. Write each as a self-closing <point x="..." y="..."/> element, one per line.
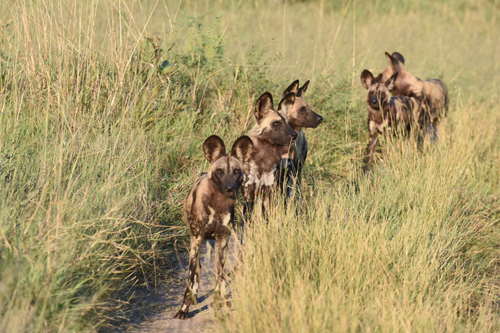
<point x="265" y="154"/>
<point x="377" y="114"/>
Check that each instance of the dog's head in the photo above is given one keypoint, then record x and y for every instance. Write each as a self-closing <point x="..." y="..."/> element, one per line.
<point x="272" y="125"/>
<point x="395" y="63"/>
<point x="300" y="114"/>
<point x="226" y="170"/>
<point x="378" y="95"/>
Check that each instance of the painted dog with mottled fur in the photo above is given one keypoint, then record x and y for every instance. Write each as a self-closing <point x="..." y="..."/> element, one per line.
<point x="209" y="210"/>
<point x="386" y="113"/>
<point x="432" y="94"/>
<point x="270" y="136"/>
<point x="293" y="157"/>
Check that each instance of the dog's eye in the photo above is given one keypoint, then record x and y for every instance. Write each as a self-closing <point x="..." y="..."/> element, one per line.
<point x="302" y="109"/>
<point x="276" y="123"/>
<point x="219" y="171"/>
<point x="236" y="171"/>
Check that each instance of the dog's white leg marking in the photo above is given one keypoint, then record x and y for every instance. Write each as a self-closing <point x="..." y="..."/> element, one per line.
<point x="226" y="219"/>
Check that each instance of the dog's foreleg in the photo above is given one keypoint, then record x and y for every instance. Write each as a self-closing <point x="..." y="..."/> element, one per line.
<point x="247" y="211"/>
<point x="220" y="257"/>
<point x="210" y="250"/>
<point x="290" y="178"/>
<point x="194" y="275"/>
<point x="369" y="151"/>
<point x="432" y="131"/>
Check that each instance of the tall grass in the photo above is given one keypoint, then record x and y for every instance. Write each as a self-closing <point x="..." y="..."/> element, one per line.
<point x="103" y="109"/>
<point x="413" y="248"/>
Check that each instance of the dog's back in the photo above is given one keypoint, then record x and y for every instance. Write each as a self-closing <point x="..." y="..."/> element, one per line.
<point x="436" y="97"/>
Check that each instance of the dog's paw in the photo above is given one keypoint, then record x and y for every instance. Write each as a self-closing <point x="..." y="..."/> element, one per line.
<point x="182" y="314"/>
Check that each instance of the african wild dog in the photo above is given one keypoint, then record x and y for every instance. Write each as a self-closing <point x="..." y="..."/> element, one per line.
<point x="270" y="135"/>
<point x="293" y="157"/>
<point x="432" y="94"/>
<point x="399" y="113"/>
<point x="209" y="210"/>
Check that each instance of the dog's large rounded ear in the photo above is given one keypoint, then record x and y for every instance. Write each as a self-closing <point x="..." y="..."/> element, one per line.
<point x="286" y="103"/>
<point x="366" y="78"/>
<point x="242" y="149"/>
<point x="214" y="148"/>
<point x="398" y="56"/>
<point x="395" y="61"/>
<point x="263" y="106"/>
<point x="389" y="60"/>
<point x="391" y="81"/>
<point x="303" y="89"/>
<point x="293" y="88"/>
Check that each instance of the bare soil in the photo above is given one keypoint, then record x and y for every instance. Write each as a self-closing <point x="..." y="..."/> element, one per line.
<point x="161" y="306"/>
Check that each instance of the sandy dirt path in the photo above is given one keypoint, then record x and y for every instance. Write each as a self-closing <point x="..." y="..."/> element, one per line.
<point x="168" y="300"/>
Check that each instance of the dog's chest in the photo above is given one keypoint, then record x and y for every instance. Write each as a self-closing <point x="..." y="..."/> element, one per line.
<point x="208" y="224"/>
<point x="208" y="211"/>
<point x="380" y="127"/>
<point x="255" y="178"/>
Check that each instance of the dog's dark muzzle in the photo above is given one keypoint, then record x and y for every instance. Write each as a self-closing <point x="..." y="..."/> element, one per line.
<point x="230" y="188"/>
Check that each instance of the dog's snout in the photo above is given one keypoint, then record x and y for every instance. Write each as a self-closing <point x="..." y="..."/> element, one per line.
<point x="294" y="135"/>
<point x="320" y="119"/>
<point x="229" y="189"/>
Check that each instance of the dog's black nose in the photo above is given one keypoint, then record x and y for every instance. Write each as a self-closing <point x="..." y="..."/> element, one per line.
<point x="229" y="189"/>
<point x="295" y="135"/>
<point x="320" y="119"/>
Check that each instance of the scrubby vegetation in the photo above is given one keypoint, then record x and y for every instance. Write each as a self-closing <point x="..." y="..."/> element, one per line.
<point x="103" y="110"/>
